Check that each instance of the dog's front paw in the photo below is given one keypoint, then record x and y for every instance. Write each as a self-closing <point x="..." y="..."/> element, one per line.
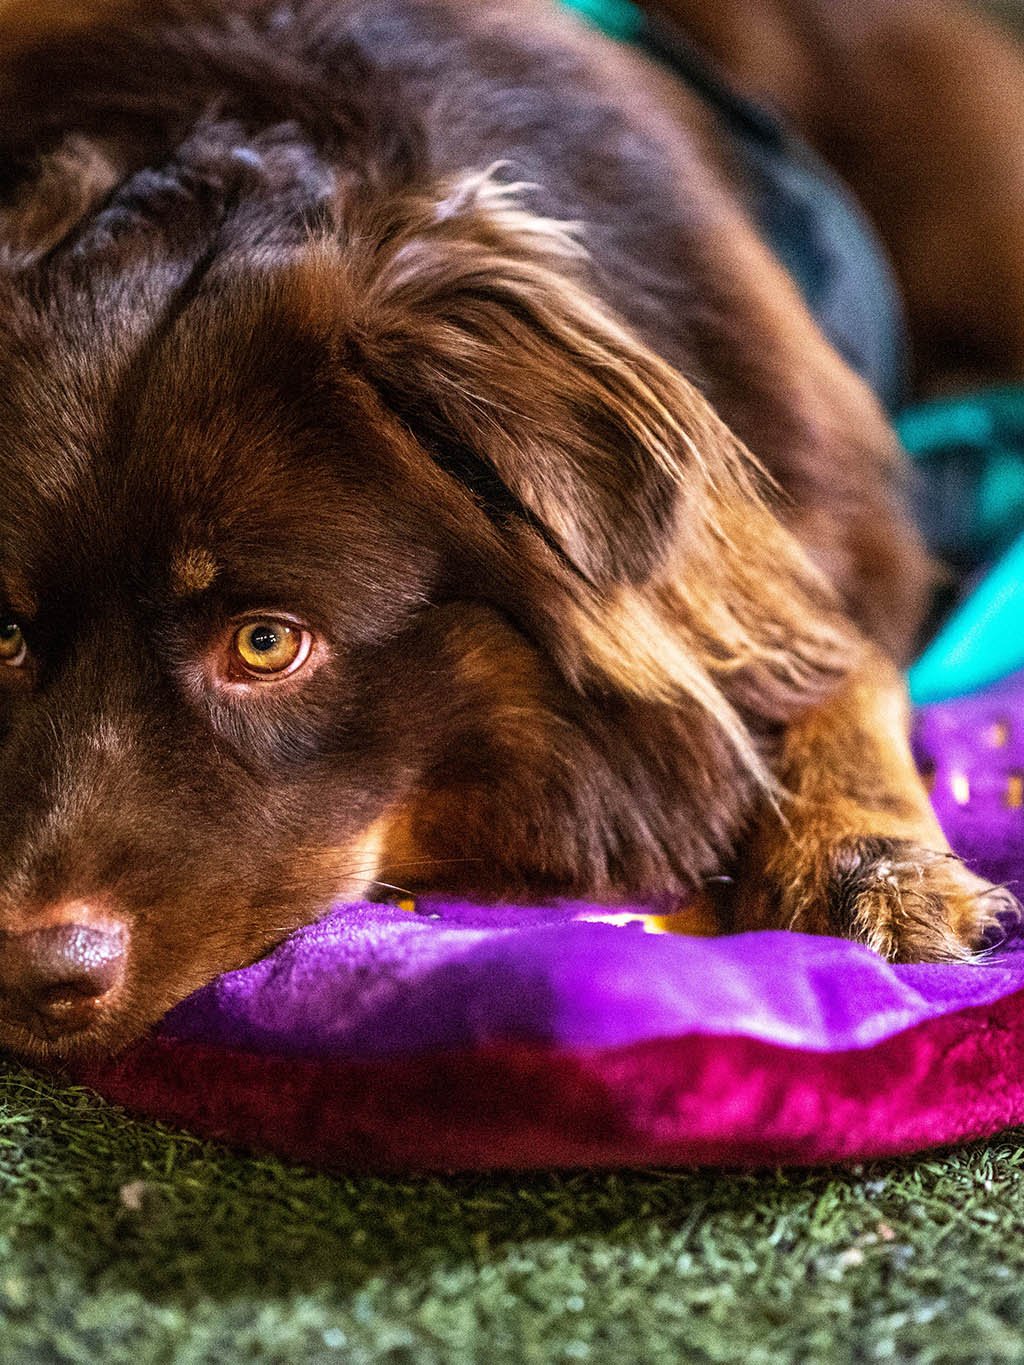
<point x="909" y="903"/>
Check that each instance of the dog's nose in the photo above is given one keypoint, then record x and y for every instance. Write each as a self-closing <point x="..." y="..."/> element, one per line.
<point x="61" y="970"/>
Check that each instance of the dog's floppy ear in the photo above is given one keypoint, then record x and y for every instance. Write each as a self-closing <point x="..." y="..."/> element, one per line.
<point x="517" y="382"/>
<point x="472" y="319"/>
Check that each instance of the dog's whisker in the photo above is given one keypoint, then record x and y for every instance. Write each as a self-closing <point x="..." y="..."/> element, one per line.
<point x="389" y="886"/>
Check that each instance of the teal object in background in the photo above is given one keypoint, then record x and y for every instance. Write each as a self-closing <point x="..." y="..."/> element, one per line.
<point x="970" y="456"/>
<point x="982" y="641"/>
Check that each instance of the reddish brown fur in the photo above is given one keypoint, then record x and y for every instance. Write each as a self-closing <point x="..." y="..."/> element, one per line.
<point x="343" y="310"/>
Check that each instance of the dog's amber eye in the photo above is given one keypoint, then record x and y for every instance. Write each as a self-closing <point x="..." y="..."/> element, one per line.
<point x="12" y="644"/>
<point x="271" y="648"/>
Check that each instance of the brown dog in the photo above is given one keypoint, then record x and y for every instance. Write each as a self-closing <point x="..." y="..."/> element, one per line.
<point x="379" y="386"/>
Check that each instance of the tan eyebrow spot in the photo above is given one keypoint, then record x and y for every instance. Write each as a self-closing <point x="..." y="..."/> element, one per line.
<point x="192" y="571"/>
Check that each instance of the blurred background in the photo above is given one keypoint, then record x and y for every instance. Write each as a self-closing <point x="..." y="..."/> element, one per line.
<point x="1010" y="10"/>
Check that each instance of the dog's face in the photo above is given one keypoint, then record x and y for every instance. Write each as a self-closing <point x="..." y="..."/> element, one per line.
<point x="212" y="584"/>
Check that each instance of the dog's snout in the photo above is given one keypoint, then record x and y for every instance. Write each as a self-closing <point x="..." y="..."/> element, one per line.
<point x="60" y="970"/>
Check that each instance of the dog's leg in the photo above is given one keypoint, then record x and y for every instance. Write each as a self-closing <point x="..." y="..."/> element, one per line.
<point x="858" y="851"/>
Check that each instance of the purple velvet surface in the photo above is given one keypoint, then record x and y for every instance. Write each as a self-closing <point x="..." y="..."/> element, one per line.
<point x="375" y="981"/>
<point x="973" y="750"/>
<point x="372" y="981"/>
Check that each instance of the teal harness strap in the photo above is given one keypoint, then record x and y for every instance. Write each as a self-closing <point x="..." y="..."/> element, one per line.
<point x="970" y="450"/>
<point x="617" y="18"/>
<point x="970" y="503"/>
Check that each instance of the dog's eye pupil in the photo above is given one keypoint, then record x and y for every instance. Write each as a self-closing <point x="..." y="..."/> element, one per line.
<point x="263" y="638"/>
<point x="271" y="647"/>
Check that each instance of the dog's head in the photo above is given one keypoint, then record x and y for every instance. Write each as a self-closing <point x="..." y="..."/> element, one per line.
<point x="287" y="498"/>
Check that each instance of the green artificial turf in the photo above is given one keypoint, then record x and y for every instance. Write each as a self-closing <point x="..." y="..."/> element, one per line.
<point x="123" y="1242"/>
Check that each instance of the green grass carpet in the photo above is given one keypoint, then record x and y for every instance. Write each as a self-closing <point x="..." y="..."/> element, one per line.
<point x="123" y="1242"/>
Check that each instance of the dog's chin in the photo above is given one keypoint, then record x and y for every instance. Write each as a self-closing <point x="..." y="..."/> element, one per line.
<point x="93" y="1034"/>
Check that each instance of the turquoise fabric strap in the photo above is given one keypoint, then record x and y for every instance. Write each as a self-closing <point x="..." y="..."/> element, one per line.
<point x="970" y="493"/>
<point x="618" y="18"/>
<point x="970" y="456"/>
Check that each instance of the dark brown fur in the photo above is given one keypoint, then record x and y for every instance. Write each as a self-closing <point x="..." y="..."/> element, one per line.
<point x="345" y="310"/>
